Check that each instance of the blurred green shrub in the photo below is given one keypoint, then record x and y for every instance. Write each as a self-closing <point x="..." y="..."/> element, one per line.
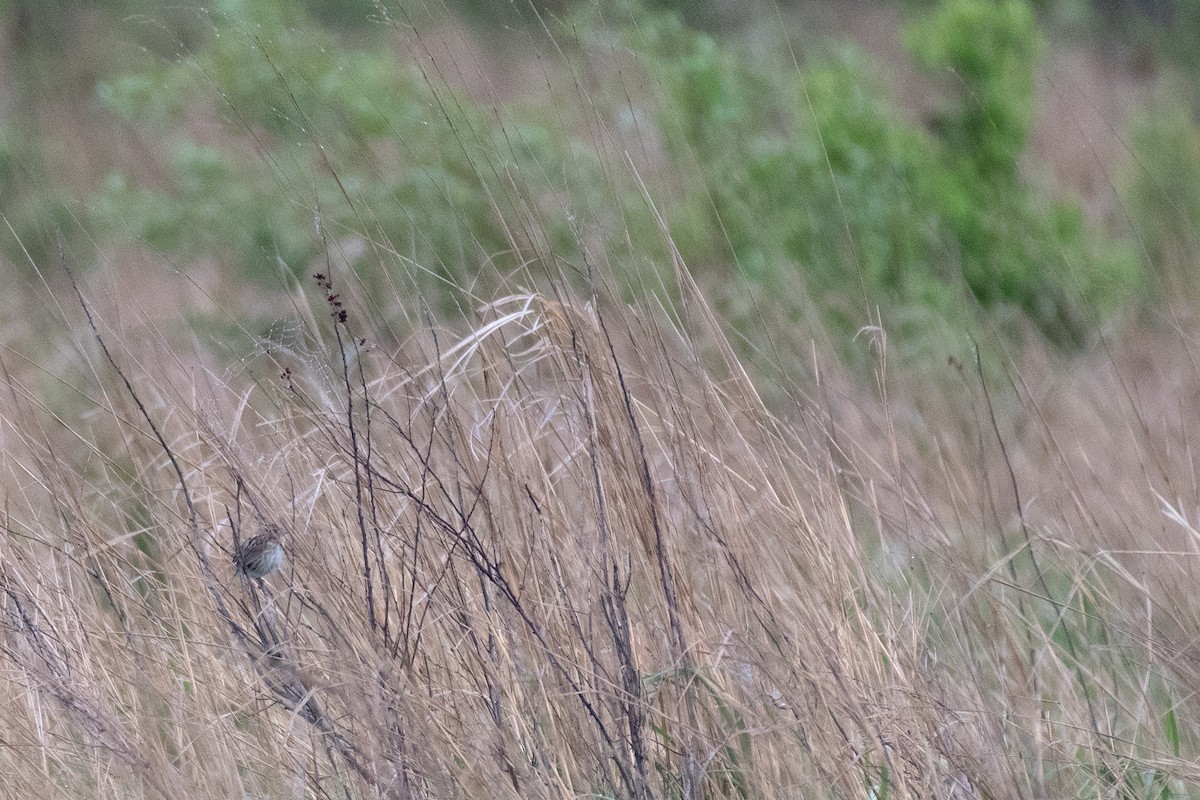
<point x="35" y="208"/>
<point x="1015" y="249"/>
<point x="988" y="49"/>
<point x="808" y="180"/>
<point x="1163" y="196"/>
<point x="324" y="140"/>
<point x="813" y="175"/>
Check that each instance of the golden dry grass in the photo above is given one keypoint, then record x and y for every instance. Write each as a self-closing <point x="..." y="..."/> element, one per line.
<point x="571" y="553"/>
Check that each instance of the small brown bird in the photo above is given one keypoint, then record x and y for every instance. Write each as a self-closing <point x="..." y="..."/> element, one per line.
<point x="263" y="554"/>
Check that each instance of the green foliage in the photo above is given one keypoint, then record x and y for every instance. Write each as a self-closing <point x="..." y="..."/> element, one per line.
<point x="988" y="47"/>
<point x="1181" y="38"/>
<point x="213" y="209"/>
<point x="321" y="141"/>
<point x="808" y="180"/>
<point x="36" y="210"/>
<point x="812" y="177"/>
<point x="1163" y="196"/>
<point x="1014" y="250"/>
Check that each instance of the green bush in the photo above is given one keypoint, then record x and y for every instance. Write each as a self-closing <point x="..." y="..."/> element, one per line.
<point x="324" y="141"/>
<point x="38" y="216"/>
<point x="1015" y="249"/>
<point x="814" y="178"/>
<point x="988" y="49"/>
<point x="1163" y="196"/>
<point x="807" y="180"/>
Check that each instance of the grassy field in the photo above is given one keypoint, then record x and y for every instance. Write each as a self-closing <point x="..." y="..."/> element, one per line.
<point x="584" y="527"/>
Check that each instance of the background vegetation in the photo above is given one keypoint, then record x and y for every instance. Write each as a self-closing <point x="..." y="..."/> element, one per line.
<point x="661" y="403"/>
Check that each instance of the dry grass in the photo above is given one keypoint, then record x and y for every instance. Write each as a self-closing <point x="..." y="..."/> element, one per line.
<point x="568" y="550"/>
<point x="569" y="554"/>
